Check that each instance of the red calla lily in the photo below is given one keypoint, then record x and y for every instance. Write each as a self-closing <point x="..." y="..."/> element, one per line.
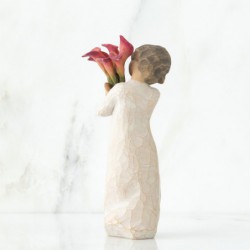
<point x="103" y="60"/>
<point x="125" y="50"/>
<point x="113" y="49"/>
<point x="94" y="49"/>
<point x="113" y="63"/>
<point x="109" y="67"/>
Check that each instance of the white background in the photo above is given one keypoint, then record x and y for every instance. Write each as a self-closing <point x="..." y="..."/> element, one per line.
<point x="53" y="146"/>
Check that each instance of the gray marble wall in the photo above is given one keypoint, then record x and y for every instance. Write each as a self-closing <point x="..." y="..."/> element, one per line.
<point x="52" y="145"/>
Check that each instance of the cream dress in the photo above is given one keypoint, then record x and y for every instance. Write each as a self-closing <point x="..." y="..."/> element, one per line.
<point x="132" y="186"/>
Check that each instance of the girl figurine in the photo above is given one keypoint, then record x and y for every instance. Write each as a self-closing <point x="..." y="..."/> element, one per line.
<point x="132" y="183"/>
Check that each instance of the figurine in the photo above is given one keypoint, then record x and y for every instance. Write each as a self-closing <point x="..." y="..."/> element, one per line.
<point x="132" y="182"/>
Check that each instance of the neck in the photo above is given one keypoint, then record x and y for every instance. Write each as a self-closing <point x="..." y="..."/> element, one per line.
<point x="137" y="78"/>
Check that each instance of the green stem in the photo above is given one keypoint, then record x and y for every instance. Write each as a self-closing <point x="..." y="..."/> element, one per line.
<point x="109" y="79"/>
<point x="122" y="78"/>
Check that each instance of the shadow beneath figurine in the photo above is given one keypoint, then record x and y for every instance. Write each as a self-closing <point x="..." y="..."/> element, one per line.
<point x="119" y="243"/>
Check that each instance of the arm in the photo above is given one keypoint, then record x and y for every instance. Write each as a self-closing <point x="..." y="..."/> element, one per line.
<point x="106" y="107"/>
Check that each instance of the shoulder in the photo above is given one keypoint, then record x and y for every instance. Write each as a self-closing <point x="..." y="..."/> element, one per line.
<point x="156" y="91"/>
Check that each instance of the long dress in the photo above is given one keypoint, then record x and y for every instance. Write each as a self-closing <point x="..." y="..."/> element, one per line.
<point x="132" y="183"/>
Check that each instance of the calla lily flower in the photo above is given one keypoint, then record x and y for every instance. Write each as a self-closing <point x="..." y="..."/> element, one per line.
<point x="109" y="67"/>
<point x="120" y="56"/>
<point x="105" y="63"/>
<point x="113" y="49"/>
<point x="112" y="64"/>
<point x="94" y="49"/>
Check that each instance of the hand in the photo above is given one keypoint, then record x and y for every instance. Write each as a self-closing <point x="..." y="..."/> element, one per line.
<point x="107" y="87"/>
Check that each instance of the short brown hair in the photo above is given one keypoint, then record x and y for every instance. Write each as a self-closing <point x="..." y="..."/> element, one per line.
<point x="154" y="61"/>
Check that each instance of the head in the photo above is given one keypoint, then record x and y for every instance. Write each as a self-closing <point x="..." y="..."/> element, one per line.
<point x="153" y="62"/>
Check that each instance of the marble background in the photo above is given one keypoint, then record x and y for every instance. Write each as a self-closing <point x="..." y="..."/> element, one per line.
<point x="53" y="146"/>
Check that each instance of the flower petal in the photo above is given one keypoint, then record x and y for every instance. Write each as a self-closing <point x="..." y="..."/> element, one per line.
<point x="126" y="48"/>
<point x="113" y="49"/>
<point x="96" y="54"/>
<point x="109" y="68"/>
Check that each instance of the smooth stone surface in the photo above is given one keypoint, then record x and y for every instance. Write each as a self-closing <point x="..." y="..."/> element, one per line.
<point x="83" y="231"/>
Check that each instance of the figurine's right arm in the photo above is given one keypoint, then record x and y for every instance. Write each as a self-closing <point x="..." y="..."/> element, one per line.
<point x="106" y="107"/>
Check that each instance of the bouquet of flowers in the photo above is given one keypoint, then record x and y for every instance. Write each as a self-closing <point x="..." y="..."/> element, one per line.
<point x="112" y="64"/>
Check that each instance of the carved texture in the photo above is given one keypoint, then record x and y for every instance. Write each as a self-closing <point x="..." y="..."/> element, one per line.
<point x="132" y="182"/>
